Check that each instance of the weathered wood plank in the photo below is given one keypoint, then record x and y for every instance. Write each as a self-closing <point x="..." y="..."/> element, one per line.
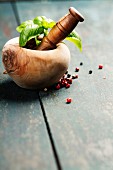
<point x="83" y="129"/>
<point x="24" y="142"/>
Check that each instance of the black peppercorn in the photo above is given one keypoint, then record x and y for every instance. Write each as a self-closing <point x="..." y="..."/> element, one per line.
<point x="90" y="71"/>
<point x="81" y="64"/>
<point x="66" y="72"/>
<point x="68" y="75"/>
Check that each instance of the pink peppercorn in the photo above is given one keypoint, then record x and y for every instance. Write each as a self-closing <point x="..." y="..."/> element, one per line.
<point x="100" y="66"/>
<point x="75" y="76"/>
<point x="68" y="100"/>
<point x="67" y="85"/>
<point x="77" y="69"/>
<point x="69" y="80"/>
<point x="63" y="82"/>
<point x="57" y="86"/>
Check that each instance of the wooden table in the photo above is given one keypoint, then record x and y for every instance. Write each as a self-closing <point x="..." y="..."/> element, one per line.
<point x="38" y="130"/>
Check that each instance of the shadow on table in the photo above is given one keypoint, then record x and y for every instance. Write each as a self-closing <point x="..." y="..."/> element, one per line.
<point x="10" y="91"/>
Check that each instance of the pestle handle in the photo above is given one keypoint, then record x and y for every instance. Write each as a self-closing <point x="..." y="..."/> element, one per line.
<point x="61" y="30"/>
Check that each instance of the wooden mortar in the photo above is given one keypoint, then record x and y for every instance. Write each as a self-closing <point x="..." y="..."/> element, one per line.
<point x="37" y="69"/>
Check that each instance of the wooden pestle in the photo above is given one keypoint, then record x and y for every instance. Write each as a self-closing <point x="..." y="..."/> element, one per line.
<point x="61" y="30"/>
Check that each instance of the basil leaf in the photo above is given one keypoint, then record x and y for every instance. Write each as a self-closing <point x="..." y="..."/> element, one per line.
<point x="29" y="33"/>
<point x="43" y="21"/>
<point x="37" y="41"/>
<point x="76" y="41"/>
<point x="38" y="21"/>
<point x="25" y="24"/>
<point x="47" y="23"/>
<point x="75" y="38"/>
<point x="74" y="34"/>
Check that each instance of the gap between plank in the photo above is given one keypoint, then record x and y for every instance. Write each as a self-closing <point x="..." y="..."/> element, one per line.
<point x="15" y="10"/>
<point x="50" y="135"/>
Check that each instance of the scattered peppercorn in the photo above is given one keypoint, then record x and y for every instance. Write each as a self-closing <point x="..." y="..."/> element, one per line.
<point x="66" y="80"/>
<point x="67" y="85"/>
<point x="100" y="66"/>
<point x="57" y="86"/>
<point x="68" y="100"/>
<point x="81" y="64"/>
<point x="68" y="75"/>
<point x="77" y="69"/>
<point x="69" y="80"/>
<point x="90" y="71"/>
<point x="75" y="76"/>
<point x="66" y="72"/>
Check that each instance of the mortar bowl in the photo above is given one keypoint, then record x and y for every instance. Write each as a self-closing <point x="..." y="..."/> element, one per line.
<point x="35" y="69"/>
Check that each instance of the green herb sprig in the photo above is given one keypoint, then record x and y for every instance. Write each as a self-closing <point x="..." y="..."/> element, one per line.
<point x="40" y="26"/>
